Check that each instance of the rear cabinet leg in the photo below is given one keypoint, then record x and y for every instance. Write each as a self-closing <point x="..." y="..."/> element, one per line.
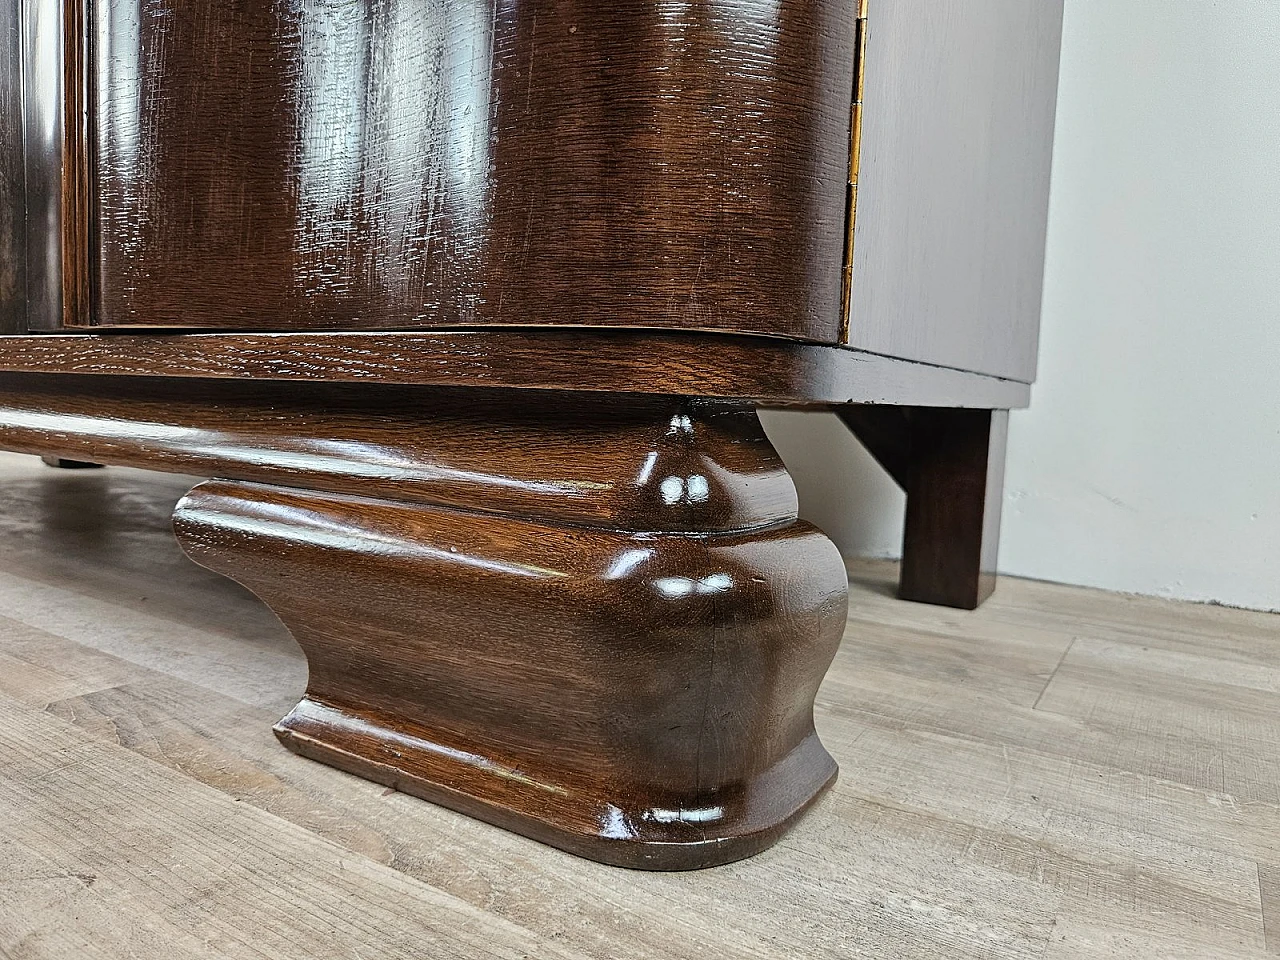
<point x="62" y="463"/>
<point x="618" y="660"/>
<point x="950" y="463"/>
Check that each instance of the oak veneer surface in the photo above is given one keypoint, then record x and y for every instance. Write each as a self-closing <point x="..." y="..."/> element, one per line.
<point x="1063" y="773"/>
<point x="365" y="164"/>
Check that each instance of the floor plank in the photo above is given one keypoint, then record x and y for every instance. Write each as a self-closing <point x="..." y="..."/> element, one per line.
<point x="1063" y="773"/>
<point x="173" y="867"/>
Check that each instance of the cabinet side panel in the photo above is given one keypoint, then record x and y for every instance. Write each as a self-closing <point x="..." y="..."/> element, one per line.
<point x="13" y="198"/>
<point x="953" y="192"/>
<point x="357" y="164"/>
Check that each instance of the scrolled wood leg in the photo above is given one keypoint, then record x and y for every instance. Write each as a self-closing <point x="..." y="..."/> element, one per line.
<point x="620" y="661"/>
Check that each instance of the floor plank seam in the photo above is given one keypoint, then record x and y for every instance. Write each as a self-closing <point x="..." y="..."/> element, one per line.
<point x="1061" y="660"/>
<point x="1267" y="945"/>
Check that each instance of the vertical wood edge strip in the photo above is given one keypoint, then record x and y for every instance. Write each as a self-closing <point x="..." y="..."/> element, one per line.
<point x="77" y="306"/>
<point x="855" y="160"/>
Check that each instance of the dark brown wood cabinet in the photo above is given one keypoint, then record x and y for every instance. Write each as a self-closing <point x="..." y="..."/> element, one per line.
<point x="379" y="165"/>
<point x="468" y="306"/>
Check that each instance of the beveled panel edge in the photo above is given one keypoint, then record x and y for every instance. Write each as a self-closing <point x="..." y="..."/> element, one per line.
<point x="763" y="370"/>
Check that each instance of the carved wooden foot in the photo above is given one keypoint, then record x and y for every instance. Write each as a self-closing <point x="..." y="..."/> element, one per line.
<point x="950" y="463"/>
<point x="606" y="634"/>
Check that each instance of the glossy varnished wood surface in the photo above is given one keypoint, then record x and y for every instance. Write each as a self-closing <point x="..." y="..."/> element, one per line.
<point x="593" y="620"/>
<point x="597" y="461"/>
<point x="642" y="700"/>
<point x="707" y="365"/>
<point x="371" y="165"/>
<point x="640" y="694"/>
<point x="1064" y="774"/>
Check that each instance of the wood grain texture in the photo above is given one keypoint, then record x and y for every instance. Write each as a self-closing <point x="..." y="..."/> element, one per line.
<point x="466" y="449"/>
<point x="950" y="464"/>
<point x="13" y="191"/>
<point x="213" y="846"/>
<point x="953" y="181"/>
<point x="1126" y="816"/>
<point x="766" y="370"/>
<point x="364" y="164"/>
<point x="635" y="696"/>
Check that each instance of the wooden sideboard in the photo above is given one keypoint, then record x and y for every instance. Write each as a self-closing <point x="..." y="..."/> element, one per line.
<point x="468" y="307"/>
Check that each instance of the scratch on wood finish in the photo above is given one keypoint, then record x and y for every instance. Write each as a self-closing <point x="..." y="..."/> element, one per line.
<point x="637" y="688"/>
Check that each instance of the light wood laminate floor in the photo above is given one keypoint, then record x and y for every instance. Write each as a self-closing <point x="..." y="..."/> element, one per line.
<point x="1062" y="774"/>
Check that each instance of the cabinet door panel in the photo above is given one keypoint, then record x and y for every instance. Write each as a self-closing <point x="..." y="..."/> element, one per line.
<point x="409" y="163"/>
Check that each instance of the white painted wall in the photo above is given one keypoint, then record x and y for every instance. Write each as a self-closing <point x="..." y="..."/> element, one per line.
<point x="1149" y="461"/>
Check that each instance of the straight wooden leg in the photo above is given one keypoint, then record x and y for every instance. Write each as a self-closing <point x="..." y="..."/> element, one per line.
<point x="606" y="634"/>
<point x="950" y="463"/>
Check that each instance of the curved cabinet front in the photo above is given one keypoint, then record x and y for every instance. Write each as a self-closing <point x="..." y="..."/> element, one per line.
<point x="376" y="164"/>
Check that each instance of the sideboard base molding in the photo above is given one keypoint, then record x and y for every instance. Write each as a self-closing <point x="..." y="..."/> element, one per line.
<point x="595" y="620"/>
<point x="635" y="686"/>
<point x="640" y="837"/>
